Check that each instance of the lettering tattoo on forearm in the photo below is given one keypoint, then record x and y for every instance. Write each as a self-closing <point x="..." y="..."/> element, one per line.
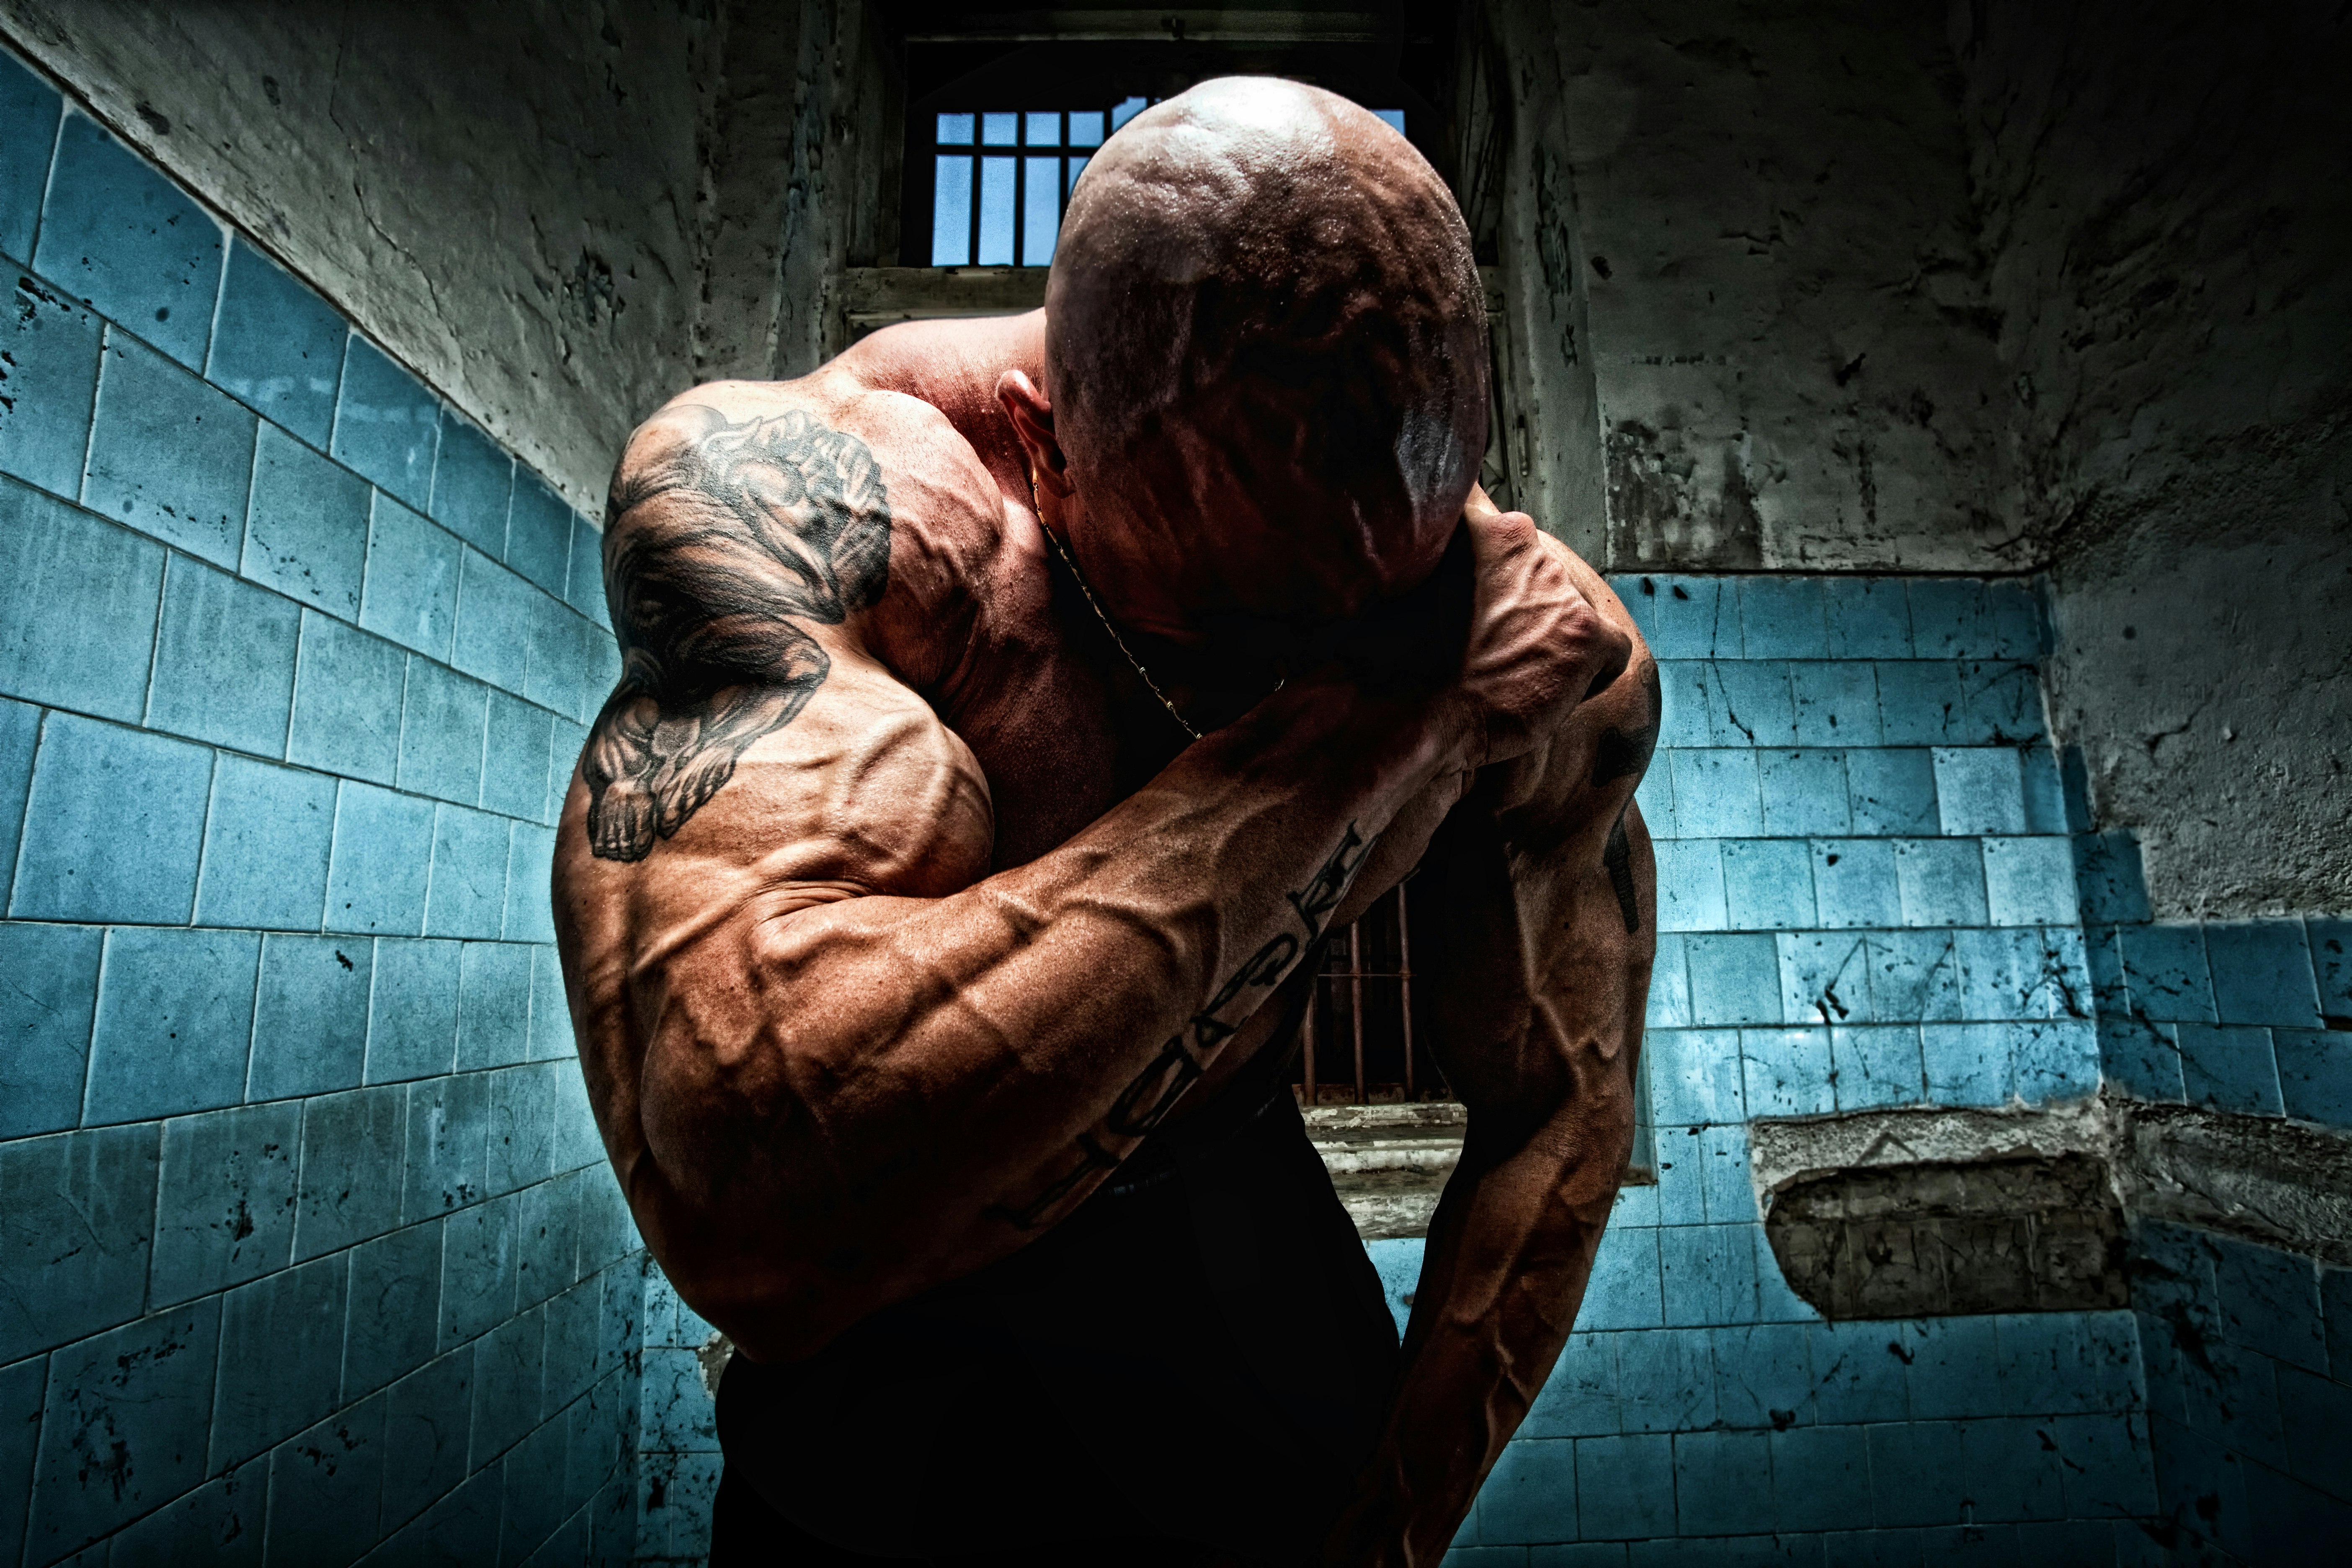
<point x="717" y="548"/>
<point x="1153" y="1093"/>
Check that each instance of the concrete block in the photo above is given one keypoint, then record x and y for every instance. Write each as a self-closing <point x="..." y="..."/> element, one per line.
<point x="305" y="530"/>
<point x="277" y="347"/>
<point x="29" y="111"/>
<point x="1680" y="1196"/>
<point x="1836" y="705"/>
<point x="413" y="1010"/>
<point x="267" y="837"/>
<point x="472" y="478"/>
<point x="495" y="614"/>
<point x="530" y="861"/>
<point x="442" y="719"/>
<point x="1951" y="619"/>
<point x="463" y="1527"/>
<point x="2315" y="1067"/>
<point x="1951" y="1368"/>
<point x="1624" y="1289"/>
<point x="1666" y="1379"/>
<point x="573" y="1323"/>
<point x="551" y="1014"/>
<point x="2140" y="1060"/>
<point x="1890" y="792"/>
<point x="2229" y="1067"/>
<point x="477" y="1270"/>
<point x="1914" y="974"/>
<point x="173" y="1024"/>
<point x="225" y="1206"/>
<point x="309" y="1026"/>
<point x="1782" y="617"/>
<point x="2047" y="807"/>
<point x="2030" y="882"/>
<point x="1763" y="1374"/>
<point x="1688" y="618"/>
<point x="347" y="702"/>
<point x="1787" y="1071"/>
<point x="1940" y="882"/>
<point x="1734" y="979"/>
<point x="50" y="378"/>
<point x="2107" y="870"/>
<point x="1580" y="1398"/>
<point x="2022" y="972"/>
<point x="98" y="1186"/>
<point x="223" y="661"/>
<point x="2013" y="1474"/>
<point x="113" y="825"/>
<point x="2263" y="973"/>
<point x="1916" y="1478"/>
<point x="583" y="580"/>
<point x="2054" y="1060"/>
<point x="1877" y="1066"/>
<point x="378" y="872"/>
<point x="140" y="1396"/>
<point x="2001" y="705"/>
<point x="571" y="739"/>
<point x="1821" y="1478"/>
<point x="1918" y="702"/>
<point x="533" y="1494"/>
<point x="1722" y="1483"/>
<point x="394" y="1304"/>
<point x="538" y="537"/>
<point x="1530" y="1495"/>
<point x="607" y="1233"/>
<point x="20" y="736"/>
<point x="1768" y="883"/>
<point x="1687" y="706"/>
<point x="1669" y="1002"/>
<point x="351" y="1179"/>
<point x="387" y="425"/>
<point x="1854" y="883"/>
<point x="1708" y="1274"/>
<point x="555" y="641"/>
<point x="494" y="1005"/>
<point x="2014" y="617"/>
<point x="1757" y="707"/>
<point x="1694" y="1077"/>
<point x="1867" y="618"/>
<point x="2269" y="1301"/>
<point x="281" y="1358"/>
<point x="1625" y="1487"/>
<point x="521" y="1132"/>
<point x="515" y="758"/>
<point x="1858" y="1373"/>
<point x="467" y="897"/>
<point x="2165" y="973"/>
<point x="1968" y="1064"/>
<point x="1690" y="885"/>
<point x="1979" y="789"/>
<point x="2330" y="944"/>
<point x="322" y="1484"/>
<point x="1723" y="1173"/>
<point x="45" y="1020"/>
<point x="413" y="567"/>
<point x="547" y="1240"/>
<point x="1824" y="977"/>
<point x="1804" y="793"/>
<point x="508" y="1362"/>
<point x="448" y="1128"/>
<point x="168" y="455"/>
<point x="119" y="234"/>
<point x="427" y="1421"/>
<point x="221" y="1522"/>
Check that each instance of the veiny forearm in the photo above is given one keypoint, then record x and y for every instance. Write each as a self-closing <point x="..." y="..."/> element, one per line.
<point x="870" y="1096"/>
<point x="1545" y="985"/>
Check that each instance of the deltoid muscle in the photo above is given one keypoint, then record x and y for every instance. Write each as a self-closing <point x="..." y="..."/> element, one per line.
<point x="723" y="541"/>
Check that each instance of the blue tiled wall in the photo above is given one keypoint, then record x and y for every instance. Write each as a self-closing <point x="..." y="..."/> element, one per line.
<point x="310" y="1249"/>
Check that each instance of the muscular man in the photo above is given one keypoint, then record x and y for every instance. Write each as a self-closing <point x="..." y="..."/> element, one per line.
<point x="1009" y="709"/>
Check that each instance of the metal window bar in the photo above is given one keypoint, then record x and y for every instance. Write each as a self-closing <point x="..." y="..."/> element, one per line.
<point x="1361" y="980"/>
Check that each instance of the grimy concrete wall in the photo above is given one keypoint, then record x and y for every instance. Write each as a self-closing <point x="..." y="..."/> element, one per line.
<point x="1997" y="288"/>
<point x="558" y="215"/>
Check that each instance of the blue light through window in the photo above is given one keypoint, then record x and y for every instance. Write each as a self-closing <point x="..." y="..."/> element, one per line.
<point x="1005" y="209"/>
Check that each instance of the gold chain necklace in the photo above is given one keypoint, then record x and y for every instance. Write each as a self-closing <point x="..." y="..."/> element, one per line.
<point x="1117" y="641"/>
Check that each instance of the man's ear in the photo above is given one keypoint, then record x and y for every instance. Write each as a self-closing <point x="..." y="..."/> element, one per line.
<point x="1025" y="404"/>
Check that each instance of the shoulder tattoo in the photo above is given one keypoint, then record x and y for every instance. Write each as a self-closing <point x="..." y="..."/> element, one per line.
<point x="737" y="534"/>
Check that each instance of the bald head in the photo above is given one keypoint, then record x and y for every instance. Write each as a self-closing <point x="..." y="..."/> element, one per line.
<point x="1265" y="345"/>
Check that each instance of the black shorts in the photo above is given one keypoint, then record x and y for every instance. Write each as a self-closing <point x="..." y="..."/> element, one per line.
<point x="1197" y="1360"/>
